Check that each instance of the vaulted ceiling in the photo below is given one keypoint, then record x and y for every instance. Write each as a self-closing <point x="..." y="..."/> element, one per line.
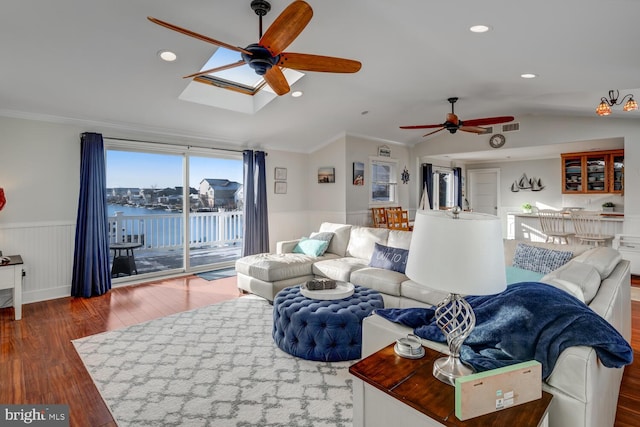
<point x="95" y="62"/>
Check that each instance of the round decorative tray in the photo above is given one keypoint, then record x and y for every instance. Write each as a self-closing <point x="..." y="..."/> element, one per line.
<point x="342" y="290"/>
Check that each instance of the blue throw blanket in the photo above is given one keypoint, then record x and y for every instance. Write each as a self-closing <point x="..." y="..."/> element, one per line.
<point x="527" y="321"/>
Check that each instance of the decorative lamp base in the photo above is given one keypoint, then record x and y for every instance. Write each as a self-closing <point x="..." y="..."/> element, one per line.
<point x="447" y="369"/>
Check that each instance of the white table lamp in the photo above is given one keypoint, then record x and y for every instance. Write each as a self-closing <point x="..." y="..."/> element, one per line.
<point x="460" y="253"/>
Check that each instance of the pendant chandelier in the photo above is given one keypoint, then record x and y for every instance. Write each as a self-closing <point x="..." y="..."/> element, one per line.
<point x="604" y="109"/>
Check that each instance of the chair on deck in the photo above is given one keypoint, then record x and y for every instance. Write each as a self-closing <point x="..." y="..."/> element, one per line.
<point x="588" y="227"/>
<point x="398" y="220"/>
<point x="379" y="216"/>
<point x="553" y="226"/>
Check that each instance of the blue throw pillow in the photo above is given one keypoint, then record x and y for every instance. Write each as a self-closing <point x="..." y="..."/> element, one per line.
<point x="538" y="259"/>
<point x="389" y="258"/>
<point x="311" y="247"/>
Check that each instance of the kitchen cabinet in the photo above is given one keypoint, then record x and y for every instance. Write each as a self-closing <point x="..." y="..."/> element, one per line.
<point x="593" y="172"/>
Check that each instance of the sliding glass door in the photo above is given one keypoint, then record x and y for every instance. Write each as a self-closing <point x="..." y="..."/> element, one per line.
<point x="172" y="212"/>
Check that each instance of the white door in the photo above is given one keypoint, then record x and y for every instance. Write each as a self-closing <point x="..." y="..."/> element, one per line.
<point x="484" y="190"/>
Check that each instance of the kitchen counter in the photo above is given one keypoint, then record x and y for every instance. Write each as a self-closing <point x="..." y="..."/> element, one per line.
<point x="526" y="226"/>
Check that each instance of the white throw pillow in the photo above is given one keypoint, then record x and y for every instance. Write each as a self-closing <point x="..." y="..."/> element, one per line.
<point x="603" y="259"/>
<point x="585" y="276"/>
<point x="363" y="240"/>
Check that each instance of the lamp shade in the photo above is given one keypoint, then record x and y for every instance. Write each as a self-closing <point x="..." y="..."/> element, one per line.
<point x="460" y="256"/>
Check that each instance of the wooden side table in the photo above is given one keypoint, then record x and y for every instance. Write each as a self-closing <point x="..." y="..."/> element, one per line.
<point x="392" y="390"/>
<point x="11" y="278"/>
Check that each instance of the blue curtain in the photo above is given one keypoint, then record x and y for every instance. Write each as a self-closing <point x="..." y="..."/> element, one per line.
<point x="91" y="255"/>
<point x="427" y="181"/>
<point x="256" y="220"/>
<point x="457" y="176"/>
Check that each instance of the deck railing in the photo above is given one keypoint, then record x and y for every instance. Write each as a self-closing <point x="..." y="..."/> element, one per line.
<point x="166" y="231"/>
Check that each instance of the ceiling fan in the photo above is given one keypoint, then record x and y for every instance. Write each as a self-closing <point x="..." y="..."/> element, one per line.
<point x="267" y="56"/>
<point x="453" y="124"/>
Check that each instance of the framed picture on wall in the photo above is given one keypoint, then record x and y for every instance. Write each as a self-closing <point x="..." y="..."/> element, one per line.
<point x="358" y="173"/>
<point x="280" y="187"/>
<point x="281" y="174"/>
<point x="384" y="151"/>
<point x="326" y="175"/>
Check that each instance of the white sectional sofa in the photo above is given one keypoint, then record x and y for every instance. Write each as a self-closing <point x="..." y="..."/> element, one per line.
<point x="585" y="392"/>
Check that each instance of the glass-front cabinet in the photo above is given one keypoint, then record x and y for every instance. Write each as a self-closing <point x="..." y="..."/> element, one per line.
<point x="593" y="172"/>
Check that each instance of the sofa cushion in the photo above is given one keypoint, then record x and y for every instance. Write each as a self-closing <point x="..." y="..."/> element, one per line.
<point x="389" y="258"/>
<point x="363" y="239"/>
<point x="340" y="239"/>
<point x="585" y="276"/>
<point x="399" y="239"/>
<point x="385" y="281"/>
<point x="538" y="259"/>
<point x="566" y="286"/>
<point x="602" y="258"/>
<point x="339" y="268"/>
<point x="411" y="289"/>
<point x="274" y="267"/>
<point x="311" y="247"/>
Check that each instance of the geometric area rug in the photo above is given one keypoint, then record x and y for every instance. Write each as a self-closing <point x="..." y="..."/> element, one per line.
<point x="214" y="366"/>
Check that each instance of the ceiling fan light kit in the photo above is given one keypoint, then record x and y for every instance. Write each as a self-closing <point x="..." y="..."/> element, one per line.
<point x="267" y="56"/>
<point x="604" y="109"/>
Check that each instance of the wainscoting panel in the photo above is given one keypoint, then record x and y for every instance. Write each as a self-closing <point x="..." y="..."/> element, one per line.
<point x="47" y="252"/>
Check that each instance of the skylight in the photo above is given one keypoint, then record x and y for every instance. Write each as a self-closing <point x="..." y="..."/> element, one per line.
<point x="242" y="77"/>
<point x="229" y="88"/>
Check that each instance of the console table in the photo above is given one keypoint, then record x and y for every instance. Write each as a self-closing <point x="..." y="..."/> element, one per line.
<point x="392" y="390"/>
<point x="11" y="278"/>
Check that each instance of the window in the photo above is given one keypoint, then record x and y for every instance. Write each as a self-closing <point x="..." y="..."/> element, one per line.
<point x="383" y="180"/>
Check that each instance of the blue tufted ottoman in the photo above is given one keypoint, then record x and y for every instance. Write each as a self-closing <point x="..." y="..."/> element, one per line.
<point x="324" y="330"/>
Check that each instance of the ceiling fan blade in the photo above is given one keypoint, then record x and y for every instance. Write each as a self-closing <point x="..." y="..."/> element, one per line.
<point x="422" y="126"/>
<point x="276" y="79"/>
<point x="326" y="64"/>
<point x="215" y="70"/>
<point x="196" y="35"/>
<point x="287" y="26"/>
<point x="473" y="129"/>
<point x="435" y="131"/>
<point x="488" y="121"/>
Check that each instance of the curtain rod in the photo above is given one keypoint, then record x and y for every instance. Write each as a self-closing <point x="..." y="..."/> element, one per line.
<point x="167" y="143"/>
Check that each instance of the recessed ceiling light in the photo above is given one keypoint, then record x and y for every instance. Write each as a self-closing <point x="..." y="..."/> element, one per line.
<point x="167" y="55"/>
<point x="479" y="28"/>
<point x="528" y="76"/>
<point x="296" y="94"/>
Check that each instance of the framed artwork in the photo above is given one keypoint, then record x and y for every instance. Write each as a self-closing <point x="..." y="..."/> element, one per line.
<point x="280" y="187"/>
<point x="358" y="173"/>
<point x="384" y="151"/>
<point x="326" y="175"/>
<point x="281" y="174"/>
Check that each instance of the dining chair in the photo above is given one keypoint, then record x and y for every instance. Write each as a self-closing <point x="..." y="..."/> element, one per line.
<point x="553" y="226"/>
<point x="379" y="216"/>
<point x="588" y="227"/>
<point x="398" y="220"/>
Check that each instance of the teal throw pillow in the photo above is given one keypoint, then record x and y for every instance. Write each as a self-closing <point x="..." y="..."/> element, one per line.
<point x="311" y="247"/>
<point x="517" y="275"/>
<point x="389" y="258"/>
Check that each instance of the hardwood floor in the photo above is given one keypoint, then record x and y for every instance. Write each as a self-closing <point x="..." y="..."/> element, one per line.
<point x="38" y="364"/>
